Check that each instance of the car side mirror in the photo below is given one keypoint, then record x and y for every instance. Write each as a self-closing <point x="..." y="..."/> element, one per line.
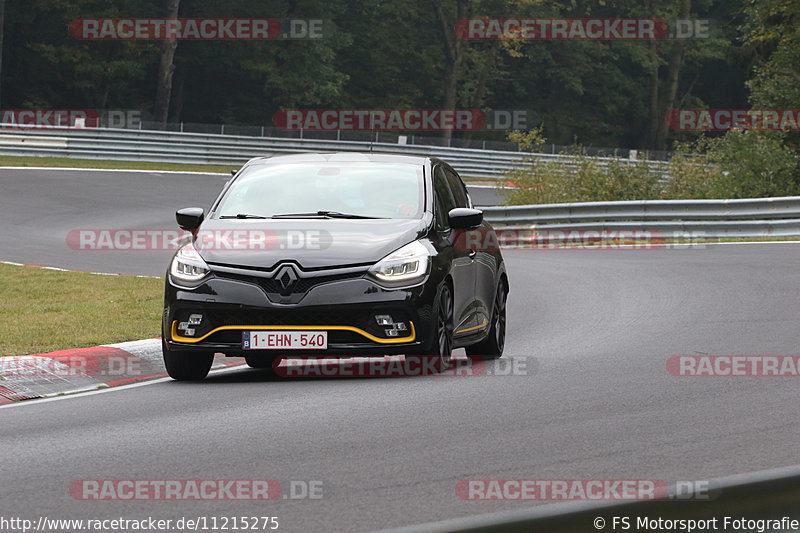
<point x="190" y="218"/>
<point x="464" y="218"/>
<point x="233" y="172"/>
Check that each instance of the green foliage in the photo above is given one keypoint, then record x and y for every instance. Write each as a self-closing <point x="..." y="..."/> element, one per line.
<point x="772" y="32"/>
<point x="693" y="173"/>
<point x="574" y="177"/>
<point x="776" y="84"/>
<point x="741" y="164"/>
<point x="755" y="164"/>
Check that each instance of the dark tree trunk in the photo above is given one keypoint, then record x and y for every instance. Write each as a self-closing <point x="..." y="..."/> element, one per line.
<point x="165" y="70"/>
<point x="672" y="80"/>
<point x="2" y="25"/>
<point x="655" y="110"/>
<point x="454" y="54"/>
<point x="483" y="79"/>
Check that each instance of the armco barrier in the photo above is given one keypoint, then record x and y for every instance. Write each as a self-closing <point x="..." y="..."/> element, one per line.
<point x="768" y="217"/>
<point x="748" y="218"/>
<point x="197" y="148"/>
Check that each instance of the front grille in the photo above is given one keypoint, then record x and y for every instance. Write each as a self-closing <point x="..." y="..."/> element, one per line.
<point x="288" y="317"/>
<point x="301" y="286"/>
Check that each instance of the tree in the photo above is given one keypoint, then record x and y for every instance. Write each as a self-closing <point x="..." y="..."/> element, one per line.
<point x="773" y="34"/>
<point x="166" y="69"/>
<point x="2" y="26"/>
<point x="454" y="53"/>
<point x="46" y="67"/>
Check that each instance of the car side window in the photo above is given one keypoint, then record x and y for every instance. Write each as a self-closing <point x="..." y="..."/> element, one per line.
<point x="457" y="186"/>
<point x="443" y="198"/>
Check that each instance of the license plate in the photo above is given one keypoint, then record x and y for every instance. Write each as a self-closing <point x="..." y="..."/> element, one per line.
<point x="285" y="340"/>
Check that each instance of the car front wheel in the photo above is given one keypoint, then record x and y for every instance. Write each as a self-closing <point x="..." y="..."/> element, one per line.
<point x="186" y="366"/>
<point x="492" y="346"/>
<point x="443" y="333"/>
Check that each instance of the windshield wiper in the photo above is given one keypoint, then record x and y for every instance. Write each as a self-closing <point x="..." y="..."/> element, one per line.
<point x="242" y="216"/>
<point x="323" y="214"/>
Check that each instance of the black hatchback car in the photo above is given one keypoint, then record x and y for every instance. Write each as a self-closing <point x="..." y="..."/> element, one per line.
<point x="334" y="255"/>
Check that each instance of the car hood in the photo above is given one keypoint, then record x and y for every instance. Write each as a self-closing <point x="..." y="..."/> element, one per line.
<point x="312" y="243"/>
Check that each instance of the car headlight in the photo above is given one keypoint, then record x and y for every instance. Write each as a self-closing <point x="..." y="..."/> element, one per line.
<point x="405" y="264"/>
<point x="187" y="265"/>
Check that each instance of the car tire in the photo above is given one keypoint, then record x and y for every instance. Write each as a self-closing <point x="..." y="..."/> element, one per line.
<point x="186" y="366"/>
<point x="442" y="345"/>
<point x="261" y="362"/>
<point x="492" y="346"/>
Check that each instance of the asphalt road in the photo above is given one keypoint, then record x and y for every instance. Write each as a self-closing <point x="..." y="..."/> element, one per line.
<point x="39" y="209"/>
<point x="592" y="331"/>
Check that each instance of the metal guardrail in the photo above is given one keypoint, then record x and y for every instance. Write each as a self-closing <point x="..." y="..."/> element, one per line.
<point x="196" y="148"/>
<point x="749" y="217"/>
<point x="766" y="495"/>
<point x="767" y="217"/>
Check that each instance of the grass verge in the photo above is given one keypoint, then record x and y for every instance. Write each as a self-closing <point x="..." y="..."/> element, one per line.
<point x="68" y="162"/>
<point x="47" y="310"/>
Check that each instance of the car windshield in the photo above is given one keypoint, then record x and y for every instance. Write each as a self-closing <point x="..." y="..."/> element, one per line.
<point x="359" y="190"/>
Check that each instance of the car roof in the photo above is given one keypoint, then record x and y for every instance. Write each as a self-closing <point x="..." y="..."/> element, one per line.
<point x="343" y="157"/>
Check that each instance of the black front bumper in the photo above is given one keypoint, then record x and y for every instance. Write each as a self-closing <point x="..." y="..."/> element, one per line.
<point x="345" y="308"/>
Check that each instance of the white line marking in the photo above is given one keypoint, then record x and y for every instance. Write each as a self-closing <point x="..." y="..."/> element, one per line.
<point x="745" y="242"/>
<point x="80" y="393"/>
<point x="81" y="271"/>
<point x="152" y="171"/>
<point x="136" y="346"/>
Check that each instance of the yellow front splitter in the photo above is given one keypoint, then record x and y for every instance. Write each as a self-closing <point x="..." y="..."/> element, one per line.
<point x="192" y="340"/>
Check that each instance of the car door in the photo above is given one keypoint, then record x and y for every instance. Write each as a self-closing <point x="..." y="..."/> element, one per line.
<point x="484" y="261"/>
<point x="462" y="270"/>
